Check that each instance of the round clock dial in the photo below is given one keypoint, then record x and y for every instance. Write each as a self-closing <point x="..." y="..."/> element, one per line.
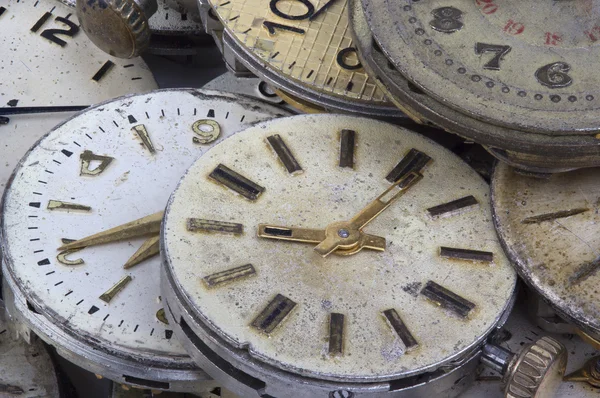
<point x="506" y="63"/>
<point x="303" y="47"/>
<point x="549" y="228"/>
<point x="253" y="232"/>
<point x="112" y="166"/>
<point x="26" y="370"/>
<point x="48" y="61"/>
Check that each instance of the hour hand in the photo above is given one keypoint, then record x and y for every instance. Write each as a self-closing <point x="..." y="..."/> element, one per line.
<point x="293" y="234"/>
<point x="149" y="225"/>
<point x="308" y="235"/>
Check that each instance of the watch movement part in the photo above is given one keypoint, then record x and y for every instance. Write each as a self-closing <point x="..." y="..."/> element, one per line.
<point x="118" y="27"/>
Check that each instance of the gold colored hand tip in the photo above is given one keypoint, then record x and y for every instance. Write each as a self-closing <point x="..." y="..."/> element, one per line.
<point x="589" y="373"/>
<point x="149" y="248"/>
<point x="141" y="227"/>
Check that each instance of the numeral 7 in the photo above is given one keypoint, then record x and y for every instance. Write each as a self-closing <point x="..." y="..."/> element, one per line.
<point x="501" y="51"/>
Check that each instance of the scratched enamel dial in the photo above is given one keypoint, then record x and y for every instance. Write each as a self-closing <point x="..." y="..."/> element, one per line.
<point x="307" y="41"/>
<point x="550" y="230"/>
<point x="106" y="167"/>
<point x="520" y="64"/>
<point x="48" y="61"/>
<point x="248" y="234"/>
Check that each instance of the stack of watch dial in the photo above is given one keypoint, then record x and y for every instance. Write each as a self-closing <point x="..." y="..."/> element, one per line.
<point x="365" y="199"/>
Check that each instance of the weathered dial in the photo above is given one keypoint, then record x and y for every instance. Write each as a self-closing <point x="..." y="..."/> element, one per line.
<point x="107" y="173"/>
<point x="26" y="370"/>
<point x="549" y="228"/>
<point x="304" y="44"/>
<point x="519" y="64"/>
<point x="264" y="244"/>
<point x="48" y="61"/>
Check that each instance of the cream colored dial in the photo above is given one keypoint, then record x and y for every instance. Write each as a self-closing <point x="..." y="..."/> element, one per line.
<point x="242" y="233"/>
<point x="307" y="42"/>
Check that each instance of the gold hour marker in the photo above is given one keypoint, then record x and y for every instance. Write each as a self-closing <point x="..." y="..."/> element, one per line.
<point x="141" y="132"/>
<point x="393" y="319"/>
<point x="336" y="334"/>
<point x="284" y="154"/>
<point x="230" y="275"/>
<point x="62" y="256"/>
<point x="452" y="208"/>
<point x="60" y="205"/>
<point x="347" y="143"/>
<point x="160" y="315"/>
<point x="447" y="299"/>
<point x="273" y="314"/>
<point x="87" y="157"/>
<point x="236" y="182"/>
<point x="414" y="161"/>
<point x="113" y="291"/>
<point x="223" y="227"/>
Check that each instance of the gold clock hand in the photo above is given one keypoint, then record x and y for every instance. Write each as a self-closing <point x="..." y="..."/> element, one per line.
<point x="346" y="235"/>
<point x="149" y="248"/>
<point x="144" y="226"/>
<point x="308" y="235"/>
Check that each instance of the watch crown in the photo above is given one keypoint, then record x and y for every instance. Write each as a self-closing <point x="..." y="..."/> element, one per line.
<point x="118" y="27"/>
<point x="537" y="371"/>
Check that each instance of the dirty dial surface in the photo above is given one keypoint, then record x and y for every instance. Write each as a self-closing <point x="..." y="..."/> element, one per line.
<point x="520" y="64"/>
<point x="307" y="42"/>
<point x="26" y="370"/>
<point x="437" y="289"/>
<point x="549" y="228"/>
<point x="47" y="60"/>
<point x="113" y="164"/>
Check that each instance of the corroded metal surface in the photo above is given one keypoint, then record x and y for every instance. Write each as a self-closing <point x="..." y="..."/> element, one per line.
<point x="279" y="318"/>
<point x="549" y="228"/>
<point x="530" y="151"/>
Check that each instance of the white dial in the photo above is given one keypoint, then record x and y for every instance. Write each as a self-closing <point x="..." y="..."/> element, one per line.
<point x="47" y="60"/>
<point x="252" y="231"/>
<point x="115" y="163"/>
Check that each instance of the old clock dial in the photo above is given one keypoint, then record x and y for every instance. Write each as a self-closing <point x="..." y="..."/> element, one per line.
<point x="303" y="47"/>
<point x="549" y="228"/>
<point x="47" y="61"/>
<point x="519" y="64"/>
<point x="326" y="252"/>
<point x="102" y="179"/>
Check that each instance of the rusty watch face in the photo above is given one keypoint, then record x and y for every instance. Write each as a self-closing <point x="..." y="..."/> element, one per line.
<point x="305" y="42"/>
<point x="338" y="247"/>
<point x="518" y="64"/>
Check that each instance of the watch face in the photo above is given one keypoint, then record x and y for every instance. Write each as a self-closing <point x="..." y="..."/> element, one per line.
<point x="509" y="63"/>
<point x="106" y="167"/>
<point x="26" y="370"/>
<point x="263" y="240"/>
<point x="305" y="42"/>
<point x="48" y="61"/>
<point x="549" y="228"/>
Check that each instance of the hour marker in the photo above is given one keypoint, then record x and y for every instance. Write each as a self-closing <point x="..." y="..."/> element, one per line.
<point x="41" y="22"/>
<point x="347" y="142"/>
<point x="211" y="113"/>
<point x="452" y="208"/>
<point x="336" y="334"/>
<point x="414" y="161"/>
<point x="161" y="316"/>
<point x="35" y="204"/>
<point x="447" y="299"/>
<point x="62" y="256"/>
<point x="59" y="205"/>
<point x="202" y="225"/>
<point x="141" y="131"/>
<point x="553" y="216"/>
<point x="284" y="154"/>
<point x="113" y="291"/>
<point x="67" y="153"/>
<point x="103" y="71"/>
<point x="398" y="326"/>
<point x="87" y="157"/>
<point x="131" y="119"/>
<point x="230" y="275"/>
<point x="273" y="314"/>
<point x="466" y="254"/>
<point x="584" y="272"/>
<point x="93" y="310"/>
<point x="44" y="262"/>
<point x="236" y="182"/>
